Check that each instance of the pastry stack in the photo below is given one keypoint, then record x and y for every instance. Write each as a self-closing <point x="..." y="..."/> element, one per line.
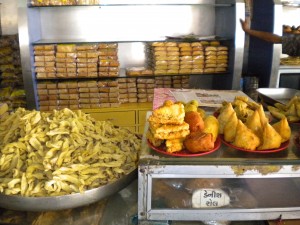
<point x="145" y="89"/>
<point x="44" y="61"/>
<point x="108" y="60"/>
<point x="166" y="124"/>
<point x="127" y="90"/>
<point x="163" y="57"/>
<point x="66" y="61"/>
<point x="87" y="59"/>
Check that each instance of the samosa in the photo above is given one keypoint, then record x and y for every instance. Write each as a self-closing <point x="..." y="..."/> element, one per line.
<point x="224" y="116"/>
<point x="283" y="128"/>
<point x="254" y="123"/>
<point x="263" y="119"/>
<point x="270" y="139"/>
<point x="245" y="137"/>
<point x="230" y="128"/>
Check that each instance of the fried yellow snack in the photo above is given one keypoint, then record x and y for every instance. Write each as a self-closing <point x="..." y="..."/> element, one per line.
<point x="62" y="152"/>
<point x="282" y="127"/>
<point x="211" y="125"/>
<point x="254" y="123"/>
<point x="270" y="139"/>
<point x="277" y="113"/>
<point x="230" y="128"/>
<point x="245" y="138"/>
<point x="174" y="145"/>
<point x="224" y="116"/>
<point x="263" y="119"/>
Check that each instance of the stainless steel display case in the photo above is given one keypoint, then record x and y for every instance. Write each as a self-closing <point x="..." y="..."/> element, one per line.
<point x="260" y="186"/>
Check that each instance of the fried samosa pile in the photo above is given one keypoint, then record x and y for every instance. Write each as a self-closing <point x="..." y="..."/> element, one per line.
<point x="243" y="107"/>
<point x="255" y="133"/>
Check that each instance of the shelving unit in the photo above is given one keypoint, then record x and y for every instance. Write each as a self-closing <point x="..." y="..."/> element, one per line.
<point x="132" y="24"/>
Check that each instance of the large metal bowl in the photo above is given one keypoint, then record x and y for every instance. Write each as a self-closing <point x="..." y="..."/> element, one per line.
<point x="270" y="96"/>
<point x="65" y="201"/>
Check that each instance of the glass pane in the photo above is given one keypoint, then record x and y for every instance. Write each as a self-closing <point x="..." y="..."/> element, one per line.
<point x="233" y="193"/>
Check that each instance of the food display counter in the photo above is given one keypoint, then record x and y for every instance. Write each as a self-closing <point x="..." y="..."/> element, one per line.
<point x="227" y="184"/>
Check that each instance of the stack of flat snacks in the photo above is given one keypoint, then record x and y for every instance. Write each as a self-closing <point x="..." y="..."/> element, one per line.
<point x="187" y="57"/>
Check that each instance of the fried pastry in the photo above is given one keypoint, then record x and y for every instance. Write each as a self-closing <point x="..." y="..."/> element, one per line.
<point x="154" y="141"/>
<point x="263" y="119"/>
<point x="174" y="145"/>
<point x="254" y="123"/>
<point x="169" y="113"/>
<point x="245" y="138"/>
<point x="169" y="131"/>
<point x="224" y="116"/>
<point x="270" y="138"/>
<point x="230" y="128"/>
<point x="282" y="127"/>
<point x="194" y="120"/>
<point x="199" y="142"/>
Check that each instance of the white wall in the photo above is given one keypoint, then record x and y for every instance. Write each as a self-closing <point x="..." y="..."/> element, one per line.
<point x="291" y="16"/>
<point x="9" y="16"/>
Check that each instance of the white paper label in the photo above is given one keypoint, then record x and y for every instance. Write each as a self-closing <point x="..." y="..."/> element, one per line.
<point x="210" y="198"/>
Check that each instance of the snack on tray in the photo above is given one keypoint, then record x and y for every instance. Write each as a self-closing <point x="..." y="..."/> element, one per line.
<point x="251" y="130"/>
<point x="290" y="110"/>
<point x="199" y="141"/>
<point x="79" y="152"/>
<point x="167" y="123"/>
<point x="180" y="126"/>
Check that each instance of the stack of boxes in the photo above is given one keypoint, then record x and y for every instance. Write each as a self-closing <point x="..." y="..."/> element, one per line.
<point x="163" y="57"/>
<point x="109" y="93"/>
<point x="145" y="89"/>
<point x="87" y="60"/>
<point x="127" y="90"/>
<point x="101" y="60"/>
<point x="108" y="60"/>
<point x="180" y="82"/>
<point x="65" y="61"/>
<point x="163" y="82"/>
<point x="197" y="58"/>
<point x="44" y="61"/>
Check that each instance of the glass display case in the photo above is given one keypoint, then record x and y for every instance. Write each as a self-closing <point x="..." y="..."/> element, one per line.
<point x="227" y="184"/>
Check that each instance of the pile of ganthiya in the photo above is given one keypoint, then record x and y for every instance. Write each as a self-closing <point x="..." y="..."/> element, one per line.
<point x="62" y="152"/>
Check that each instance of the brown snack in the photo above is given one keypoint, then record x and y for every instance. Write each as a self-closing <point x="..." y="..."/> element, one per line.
<point x="199" y="142"/>
<point x="194" y="120"/>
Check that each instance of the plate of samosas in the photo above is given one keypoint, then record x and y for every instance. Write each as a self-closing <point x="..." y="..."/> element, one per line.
<point x="253" y="133"/>
<point x="180" y="129"/>
<point x="282" y="147"/>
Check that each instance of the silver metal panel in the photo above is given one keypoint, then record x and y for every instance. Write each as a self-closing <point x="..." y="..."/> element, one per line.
<point x="130" y="23"/>
<point x="277" y="48"/>
<point x="65" y="201"/>
<point x="273" y="95"/>
<point x="239" y="45"/>
<point x="28" y="25"/>
<point x="149" y="172"/>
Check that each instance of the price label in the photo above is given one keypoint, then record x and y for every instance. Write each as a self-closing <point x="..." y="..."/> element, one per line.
<point x="210" y="198"/>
